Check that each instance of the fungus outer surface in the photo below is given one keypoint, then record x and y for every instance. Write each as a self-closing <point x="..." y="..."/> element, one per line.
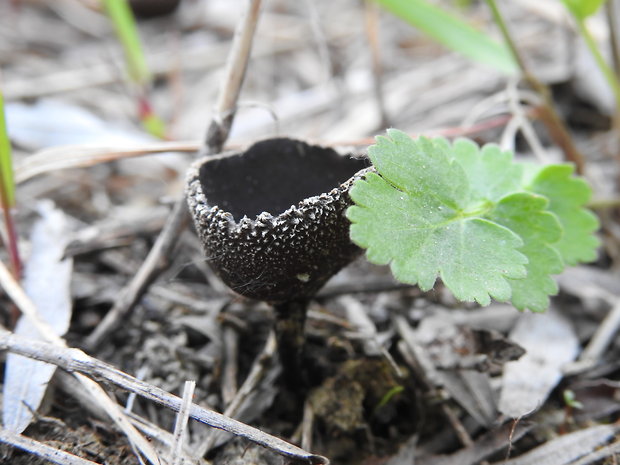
<point x="271" y="219"/>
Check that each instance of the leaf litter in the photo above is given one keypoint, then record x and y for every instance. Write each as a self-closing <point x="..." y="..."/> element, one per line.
<point x="452" y="421"/>
<point x="47" y="281"/>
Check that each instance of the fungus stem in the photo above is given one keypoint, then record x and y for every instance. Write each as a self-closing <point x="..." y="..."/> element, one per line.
<point x="289" y="328"/>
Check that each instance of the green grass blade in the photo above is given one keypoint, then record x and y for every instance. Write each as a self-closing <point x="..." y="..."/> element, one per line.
<point x="152" y="123"/>
<point x="121" y="16"/>
<point x="7" y="192"/>
<point x="7" y="185"/>
<point x="453" y="33"/>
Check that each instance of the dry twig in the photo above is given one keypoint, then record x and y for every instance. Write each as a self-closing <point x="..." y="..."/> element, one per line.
<point x="41" y="450"/>
<point x="75" y="360"/>
<point x="233" y="79"/>
<point x="258" y="372"/>
<point x="96" y="392"/>
<point x="180" y="426"/>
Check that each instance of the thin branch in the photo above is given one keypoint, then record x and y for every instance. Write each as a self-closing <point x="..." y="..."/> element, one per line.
<point x="524" y="123"/>
<point x="75" y="360"/>
<point x="84" y="155"/>
<point x="550" y="118"/>
<point x="180" y="427"/>
<point x="262" y="364"/>
<point x="16" y="293"/>
<point x="415" y="356"/>
<point x="608" y="72"/>
<point x="611" y="7"/>
<point x="233" y="79"/>
<point x="605" y="334"/>
<point x="320" y="41"/>
<point x="371" y="22"/>
<point x="156" y="261"/>
<point x="41" y="450"/>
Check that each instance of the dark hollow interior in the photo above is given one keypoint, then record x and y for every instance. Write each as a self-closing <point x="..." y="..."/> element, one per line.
<point x="274" y="174"/>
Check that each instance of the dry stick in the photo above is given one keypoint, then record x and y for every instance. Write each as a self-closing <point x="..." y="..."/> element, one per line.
<point x="83" y="155"/>
<point x="41" y="450"/>
<point x="218" y="131"/>
<point x="320" y="41"/>
<point x="25" y="305"/>
<point x="550" y="118"/>
<point x="95" y="392"/>
<point x="159" y="435"/>
<point x="75" y="360"/>
<point x="307" y="424"/>
<point x="158" y="257"/>
<point x="604" y="336"/>
<point x="156" y="261"/>
<point x="259" y="370"/>
<point x="411" y="350"/>
<point x="70" y="385"/>
<point x="358" y="317"/>
<point x="230" y="339"/>
<point x="611" y="7"/>
<point x="600" y="340"/>
<point x="371" y="21"/>
<point x="612" y="21"/>
<point x="327" y="68"/>
<point x="524" y="123"/>
<point x="180" y="427"/>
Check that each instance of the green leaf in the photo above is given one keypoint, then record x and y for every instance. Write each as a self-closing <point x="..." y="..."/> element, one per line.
<point x="422" y="165"/>
<point x="453" y="33"/>
<point x="492" y="174"/>
<point x="418" y="216"/>
<point x="583" y="8"/>
<point x="487" y="225"/>
<point x="490" y="171"/>
<point x="539" y="229"/>
<point x="567" y="197"/>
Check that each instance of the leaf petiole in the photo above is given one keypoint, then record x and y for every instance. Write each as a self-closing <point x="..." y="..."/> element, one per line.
<point x="477" y="209"/>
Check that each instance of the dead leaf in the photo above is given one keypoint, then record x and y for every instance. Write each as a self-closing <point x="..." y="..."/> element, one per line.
<point x="566" y="449"/>
<point x="550" y="343"/>
<point x="47" y="282"/>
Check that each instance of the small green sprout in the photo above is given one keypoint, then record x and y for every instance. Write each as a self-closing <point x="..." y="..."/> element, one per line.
<point x="488" y="226"/>
<point x="571" y="400"/>
<point x="124" y="23"/>
<point x="7" y="191"/>
<point x="388" y="396"/>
